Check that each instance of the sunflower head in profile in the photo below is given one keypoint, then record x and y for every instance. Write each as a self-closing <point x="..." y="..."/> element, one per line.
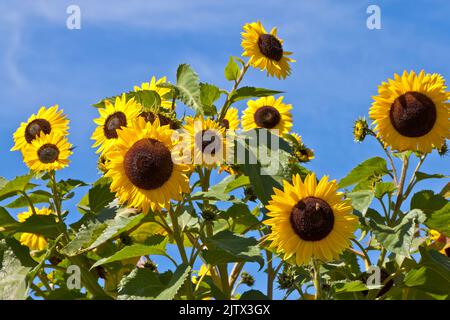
<point x="45" y="121"/>
<point x="113" y="118"/>
<point x="231" y="119"/>
<point x="267" y="113"/>
<point x="145" y="172"/>
<point x="48" y="152"/>
<point x="265" y="50"/>
<point x="310" y="219"/>
<point x="411" y="112"/>
<point x="32" y="240"/>
<point x="161" y="91"/>
<point x="207" y="141"/>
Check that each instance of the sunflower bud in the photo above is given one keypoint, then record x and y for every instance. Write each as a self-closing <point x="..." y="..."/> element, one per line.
<point x="286" y="279"/>
<point x="443" y="149"/>
<point x="209" y="213"/>
<point x="101" y="164"/>
<point x="360" y="129"/>
<point x="303" y="153"/>
<point x="247" y="279"/>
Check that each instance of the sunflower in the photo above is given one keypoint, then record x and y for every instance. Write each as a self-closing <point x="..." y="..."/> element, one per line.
<point x="162" y="92"/>
<point x="265" y="50"/>
<point x="440" y="242"/>
<point x="145" y="172"/>
<point x="32" y="240"/>
<point x="231" y="119"/>
<point x="206" y="141"/>
<point x="48" y="152"/>
<point x="310" y="219"/>
<point x="113" y="117"/>
<point x="411" y="112"/>
<point x="300" y="151"/>
<point x="267" y="113"/>
<point x="46" y="121"/>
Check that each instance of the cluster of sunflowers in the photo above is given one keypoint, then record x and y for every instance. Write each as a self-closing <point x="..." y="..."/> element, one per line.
<point x="157" y="172"/>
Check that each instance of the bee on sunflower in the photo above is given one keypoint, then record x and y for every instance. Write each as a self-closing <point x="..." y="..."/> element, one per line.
<point x="113" y="118"/>
<point x="161" y="91"/>
<point x="265" y="50"/>
<point x="411" y="112"/>
<point x="267" y="113"/>
<point x="310" y="220"/>
<point x="32" y="240"/>
<point x="145" y="173"/>
<point x="207" y="141"/>
<point x="48" y="152"/>
<point x="46" y="121"/>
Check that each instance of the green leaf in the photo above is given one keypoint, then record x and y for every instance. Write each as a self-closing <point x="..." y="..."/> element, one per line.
<point x="221" y="190"/>
<point x="427" y="280"/>
<point x="40" y="224"/>
<point x="251" y="92"/>
<point x="361" y="200"/>
<point x="439" y="220"/>
<point x="144" y="284"/>
<point x="383" y="188"/>
<point x="15" y="263"/>
<point x="14" y="187"/>
<point x="422" y="176"/>
<point x="436" y="207"/>
<point x="240" y="217"/>
<point x="154" y="245"/>
<point x="399" y="239"/>
<point x="371" y="167"/>
<point x="226" y="247"/>
<point x="253" y="295"/>
<point x="232" y="70"/>
<point x="6" y="221"/>
<point x="436" y="261"/>
<point x="351" y="286"/>
<point x="98" y="197"/>
<point x="84" y="237"/>
<point x="208" y="95"/>
<point x="35" y="198"/>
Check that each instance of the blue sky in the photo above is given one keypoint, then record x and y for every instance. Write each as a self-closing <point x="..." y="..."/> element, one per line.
<point x="339" y="64"/>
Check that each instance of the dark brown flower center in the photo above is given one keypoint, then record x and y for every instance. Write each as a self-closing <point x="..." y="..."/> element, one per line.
<point x="48" y="153"/>
<point x="209" y="140"/>
<point x="312" y="219"/>
<point x="113" y="122"/>
<point x="267" y="117"/>
<point x="148" y="164"/>
<point x="413" y="114"/>
<point x="270" y="46"/>
<point x="35" y="127"/>
<point x="225" y="123"/>
<point x="447" y="252"/>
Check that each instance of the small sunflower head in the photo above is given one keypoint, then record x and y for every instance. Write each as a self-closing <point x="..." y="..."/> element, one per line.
<point x="360" y="129"/>
<point x="286" y="279"/>
<point x="301" y="153"/>
<point x="209" y="213"/>
<point x="247" y="279"/>
<point x="102" y="163"/>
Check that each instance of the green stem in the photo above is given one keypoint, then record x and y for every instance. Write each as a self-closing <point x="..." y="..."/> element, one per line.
<point x="364" y="251"/>
<point x="30" y="203"/>
<point x="391" y="160"/>
<point x="270" y="275"/>
<point x="316" y="279"/>
<point x="400" y="189"/>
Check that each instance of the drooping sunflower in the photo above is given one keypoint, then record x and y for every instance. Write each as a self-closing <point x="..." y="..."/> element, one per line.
<point x="310" y="219"/>
<point x="48" y="152"/>
<point x="206" y="140"/>
<point x="231" y="119"/>
<point x="268" y="113"/>
<point x="300" y="151"/>
<point x="46" y="121"/>
<point x="146" y="172"/>
<point x="112" y="118"/>
<point x="162" y="92"/>
<point x="32" y="240"/>
<point x="411" y="112"/>
<point x="265" y="50"/>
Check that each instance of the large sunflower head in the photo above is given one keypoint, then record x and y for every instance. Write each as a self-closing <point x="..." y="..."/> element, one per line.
<point x="146" y="173"/>
<point x="268" y="113"/>
<point x="411" y="112"/>
<point x="161" y="91"/>
<point x="112" y="118"/>
<point x="48" y="152"/>
<point x="310" y="219"/>
<point x="265" y="50"/>
<point x="32" y="240"/>
<point x="207" y="141"/>
<point x="47" y="120"/>
<point x="231" y="119"/>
